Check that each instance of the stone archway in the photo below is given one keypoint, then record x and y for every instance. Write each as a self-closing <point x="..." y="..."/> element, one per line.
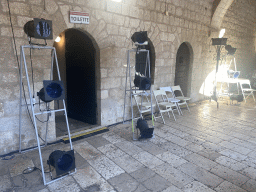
<point x="183" y="69"/>
<point x="79" y="60"/>
<point x="219" y="11"/>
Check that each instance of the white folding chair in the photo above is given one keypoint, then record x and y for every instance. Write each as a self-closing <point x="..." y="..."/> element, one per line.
<point x="172" y="99"/>
<point x="142" y="102"/>
<point x="246" y="89"/>
<point x="181" y="97"/>
<point x="163" y="104"/>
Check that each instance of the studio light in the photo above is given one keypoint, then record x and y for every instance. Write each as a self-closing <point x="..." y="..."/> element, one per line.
<point x="39" y="29"/>
<point x="142" y="78"/>
<point x="231" y="50"/>
<point x="233" y="74"/>
<point x="140" y="38"/>
<point x="219" y="41"/>
<point x="52" y="90"/>
<point x="62" y="161"/>
<point x="144" y="83"/>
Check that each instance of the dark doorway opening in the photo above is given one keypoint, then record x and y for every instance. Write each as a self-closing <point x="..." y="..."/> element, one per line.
<point x="78" y="57"/>
<point x="80" y="73"/>
<point x="182" y="71"/>
<point x="152" y="57"/>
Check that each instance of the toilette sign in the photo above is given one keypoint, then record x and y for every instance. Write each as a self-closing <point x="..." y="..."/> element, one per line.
<point x="79" y="17"/>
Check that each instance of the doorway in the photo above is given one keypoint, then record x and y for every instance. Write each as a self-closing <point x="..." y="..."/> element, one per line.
<point x="80" y="73"/>
<point x="77" y="60"/>
<point x="183" y="68"/>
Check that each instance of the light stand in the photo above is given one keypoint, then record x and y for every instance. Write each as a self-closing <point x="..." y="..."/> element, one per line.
<point x="220" y="43"/>
<point x="62" y="156"/>
<point x="143" y="81"/>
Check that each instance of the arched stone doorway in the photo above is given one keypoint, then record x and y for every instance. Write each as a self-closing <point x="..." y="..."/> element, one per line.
<point x="78" y="56"/>
<point x="183" y="68"/>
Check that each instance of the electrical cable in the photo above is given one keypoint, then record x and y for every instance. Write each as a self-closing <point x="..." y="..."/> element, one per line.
<point x="8" y="157"/>
<point x="32" y="73"/>
<point x="48" y="114"/>
<point x="32" y="169"/>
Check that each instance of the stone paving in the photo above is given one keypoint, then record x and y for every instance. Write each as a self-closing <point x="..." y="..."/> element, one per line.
<point x="206" y="150"/>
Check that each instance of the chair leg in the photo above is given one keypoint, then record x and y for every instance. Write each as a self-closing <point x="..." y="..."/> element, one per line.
<point x="253" y="96"/>
<point x="168" y="114"/>
<point x="173" y="116"/>
<point x="178" y="109"/>
<point x="162" y="117"/>
<point x="187" y="106"/>
<point x="244" y="97"/>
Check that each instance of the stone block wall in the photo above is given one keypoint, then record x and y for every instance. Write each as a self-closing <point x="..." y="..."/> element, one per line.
<point x="111" y="26"/>
<point x="239" y="23"/>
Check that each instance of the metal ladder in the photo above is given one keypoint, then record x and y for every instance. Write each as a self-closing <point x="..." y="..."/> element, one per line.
<point x="129" y="89"/>
<point x="34" y="114"/>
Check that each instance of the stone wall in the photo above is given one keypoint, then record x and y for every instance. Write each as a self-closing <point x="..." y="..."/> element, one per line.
<point x="111" y="26"/>
<point x="239" y="23"/>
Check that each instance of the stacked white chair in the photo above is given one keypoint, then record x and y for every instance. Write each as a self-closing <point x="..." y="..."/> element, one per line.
<point x="163" y="104"/>
<point x="181" y="97"/>
<point x="246" y="89"/>
<point x="142" y="102"/>
<point x="172" y="99"/>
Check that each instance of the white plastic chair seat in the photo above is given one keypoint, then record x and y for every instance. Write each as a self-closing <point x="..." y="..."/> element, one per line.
<point x="166" y="104"/>
<point x="183" y="98"/>
<point x="146" y="104"/>
<point x="173" y="100"/>
<point x="145" y="110"/>
<point x="249" y="90"/>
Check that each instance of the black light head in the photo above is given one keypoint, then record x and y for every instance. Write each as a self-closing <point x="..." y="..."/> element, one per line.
<point x="231" y="50"/>
<point x="62" y="161"/>
<point x="39" y="29"/>
<point x="52" y="90"/>
<point x="219" y="41"/>
<point x="140" y="37"/>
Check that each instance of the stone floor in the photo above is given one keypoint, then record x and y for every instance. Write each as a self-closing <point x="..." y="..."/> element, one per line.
<point x="206" y="150"/>
<point x="74" y="126"/>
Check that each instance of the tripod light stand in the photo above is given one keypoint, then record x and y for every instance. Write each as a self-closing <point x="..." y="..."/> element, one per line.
<point x="220" y="43"/>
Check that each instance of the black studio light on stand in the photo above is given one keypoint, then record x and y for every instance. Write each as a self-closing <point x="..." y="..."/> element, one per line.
<point x="52" y="90"/>
<point x="219" y="43"/>
<point x="39" y="29"/>
<point x="142" y="78"/>
<point x="61" y="162"/>
<point x="231" y="50"/>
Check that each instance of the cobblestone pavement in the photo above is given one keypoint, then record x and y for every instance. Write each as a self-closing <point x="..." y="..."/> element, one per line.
<point x="206" y="150"/>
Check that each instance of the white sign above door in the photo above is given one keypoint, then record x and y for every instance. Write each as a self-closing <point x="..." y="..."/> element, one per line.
<point x="79" y="17"/>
